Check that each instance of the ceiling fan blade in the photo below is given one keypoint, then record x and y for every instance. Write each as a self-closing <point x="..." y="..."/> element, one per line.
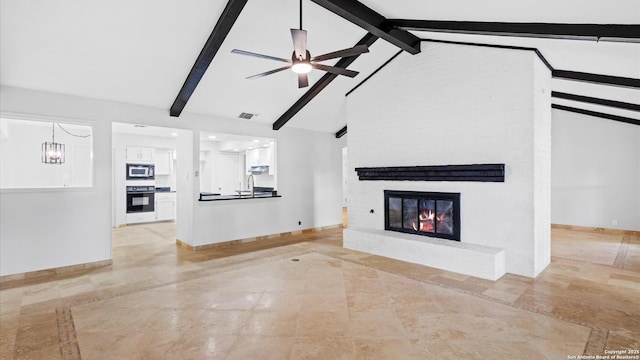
<point x="268" y="72"/>
<point x="248" y="53"/>
<point x="303" y="80"/>
<point x="356" y="50"/>
<point x="335" y="70"/>
<point x="299" y="38"/>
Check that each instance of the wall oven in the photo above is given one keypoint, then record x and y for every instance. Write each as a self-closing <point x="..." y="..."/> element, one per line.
<point x="140" y="199"/>
<point x="140" y="172"/>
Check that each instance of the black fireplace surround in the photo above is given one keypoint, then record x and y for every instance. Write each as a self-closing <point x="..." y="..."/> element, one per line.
<point x="432" y="214"/>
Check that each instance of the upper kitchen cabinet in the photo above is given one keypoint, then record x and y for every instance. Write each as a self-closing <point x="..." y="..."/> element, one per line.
<point x="164" y="161"/>
<point x="259" y="159"/>
<point x="140" y="154"/>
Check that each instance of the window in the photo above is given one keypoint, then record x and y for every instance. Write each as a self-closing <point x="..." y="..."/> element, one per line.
<point x="28" y="160"/>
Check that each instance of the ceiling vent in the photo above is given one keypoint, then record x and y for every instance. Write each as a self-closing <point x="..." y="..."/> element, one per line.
<point x="140" y="126"/>
<point x="246" y="116"/>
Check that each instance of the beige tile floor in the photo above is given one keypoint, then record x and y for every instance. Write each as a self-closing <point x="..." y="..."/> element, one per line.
<point x="161" y="301"/>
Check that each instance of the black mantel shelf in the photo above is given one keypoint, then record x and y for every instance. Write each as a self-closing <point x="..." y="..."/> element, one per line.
<point x="473" y="172"/>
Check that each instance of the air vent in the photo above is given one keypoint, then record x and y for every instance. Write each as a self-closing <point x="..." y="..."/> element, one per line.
<point x="245" y="116"/>
<point x="140" y="126"/>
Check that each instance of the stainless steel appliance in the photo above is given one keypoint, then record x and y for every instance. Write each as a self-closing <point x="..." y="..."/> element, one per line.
<point x="140" y="171"/>
<point x="140" y="199"/>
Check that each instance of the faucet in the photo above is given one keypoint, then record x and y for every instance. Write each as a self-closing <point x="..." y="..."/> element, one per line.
<point x="250" y="184"/>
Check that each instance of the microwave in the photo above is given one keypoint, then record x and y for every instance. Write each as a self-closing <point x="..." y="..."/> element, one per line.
<point x="140" y="172"/>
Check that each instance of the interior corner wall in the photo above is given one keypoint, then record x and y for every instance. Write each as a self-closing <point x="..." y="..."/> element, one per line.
<point x="541" y="166"/>
<point x="595" y="177"/>
<point x="187" y="163"/>
<point x="456" y="104"/>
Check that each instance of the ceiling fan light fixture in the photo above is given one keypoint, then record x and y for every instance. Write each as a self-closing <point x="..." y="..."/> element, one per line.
<point x="301" y="61"/>
<point x="301" y="68"/>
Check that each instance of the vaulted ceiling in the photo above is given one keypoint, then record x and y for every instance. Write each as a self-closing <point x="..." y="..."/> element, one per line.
<point x="141" y="52"/>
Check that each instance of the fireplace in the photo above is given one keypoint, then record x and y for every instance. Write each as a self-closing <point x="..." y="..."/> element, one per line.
<point x="431" y="214"/>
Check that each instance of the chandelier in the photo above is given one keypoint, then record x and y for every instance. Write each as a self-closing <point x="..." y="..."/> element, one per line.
<point x="53" y="152"/>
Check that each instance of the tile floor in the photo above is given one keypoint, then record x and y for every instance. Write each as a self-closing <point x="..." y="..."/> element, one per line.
<point x="161" y="301"/>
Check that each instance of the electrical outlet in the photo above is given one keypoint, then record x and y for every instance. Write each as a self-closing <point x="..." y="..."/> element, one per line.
<point x="614" y="222"/>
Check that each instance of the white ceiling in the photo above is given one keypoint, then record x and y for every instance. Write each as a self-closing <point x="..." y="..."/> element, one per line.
<point x="141" y="51"/>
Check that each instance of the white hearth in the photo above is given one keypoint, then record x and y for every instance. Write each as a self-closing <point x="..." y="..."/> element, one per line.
<point x="476" y="260"/>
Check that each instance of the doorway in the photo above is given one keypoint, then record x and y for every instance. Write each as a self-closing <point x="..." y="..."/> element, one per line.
<point x="155" y="150"/>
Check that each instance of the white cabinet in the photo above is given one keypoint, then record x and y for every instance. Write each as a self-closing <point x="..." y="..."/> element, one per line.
<point x="143" y="217"/>
<point x="253" y="156"/>
<point x="164" y="162"/>
<point x="165" y="206"/>
<point x="261" y="156"/>
<point x="140" y="154"/>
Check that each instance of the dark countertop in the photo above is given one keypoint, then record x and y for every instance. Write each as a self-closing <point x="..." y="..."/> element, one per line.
<point x="237" y="197"/>
<point x="164" y="189"/>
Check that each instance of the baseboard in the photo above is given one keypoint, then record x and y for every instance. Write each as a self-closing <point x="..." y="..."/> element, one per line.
<point x="52" y="272"/>
<point x="595" y="229"/>
<point x="232" y="243"/>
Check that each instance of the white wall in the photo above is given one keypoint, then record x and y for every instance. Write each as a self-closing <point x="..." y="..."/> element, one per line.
<point x="51" y="228"/>
<point x="541" y="166"/>
<point x="208" y="152"/>
<point x="187" y="161"/>
<point x="455" y="104"/>
<point x="595" y="175"/>
<point x="74" y="226"/>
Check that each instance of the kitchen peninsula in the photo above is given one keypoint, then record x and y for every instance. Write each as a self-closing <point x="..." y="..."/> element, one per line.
<point x="258" y="193"/>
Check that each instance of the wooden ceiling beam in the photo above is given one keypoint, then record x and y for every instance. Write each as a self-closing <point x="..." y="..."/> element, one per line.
<point x="220" y="30"/>
<point x="361" y="15"/>
<point x="597" y="101"/>
<point x="623" y="119"/>
<point x="341" y="132"/>
<point x="596" y="78"/>
<point x="595" y="32"/>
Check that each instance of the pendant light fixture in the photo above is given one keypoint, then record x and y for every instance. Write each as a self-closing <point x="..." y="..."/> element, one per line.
<point x="53" y="152"/>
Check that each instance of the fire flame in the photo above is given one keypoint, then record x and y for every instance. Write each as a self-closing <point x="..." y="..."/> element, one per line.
<point x="427" y="218"/>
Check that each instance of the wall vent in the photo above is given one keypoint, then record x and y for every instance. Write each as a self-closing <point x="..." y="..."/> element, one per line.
<point x="245" y="115"/>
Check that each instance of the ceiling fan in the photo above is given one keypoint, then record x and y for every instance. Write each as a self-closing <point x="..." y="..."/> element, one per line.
<point x="301" y="61"/>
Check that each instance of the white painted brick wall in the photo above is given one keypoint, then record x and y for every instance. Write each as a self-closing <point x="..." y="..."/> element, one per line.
<point x="455" y="104"/>
<point x="541" y="165"/>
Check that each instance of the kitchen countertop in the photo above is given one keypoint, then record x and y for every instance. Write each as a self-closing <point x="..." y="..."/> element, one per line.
<point x="164" y="189"/>
<point x="237" y="197"/>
